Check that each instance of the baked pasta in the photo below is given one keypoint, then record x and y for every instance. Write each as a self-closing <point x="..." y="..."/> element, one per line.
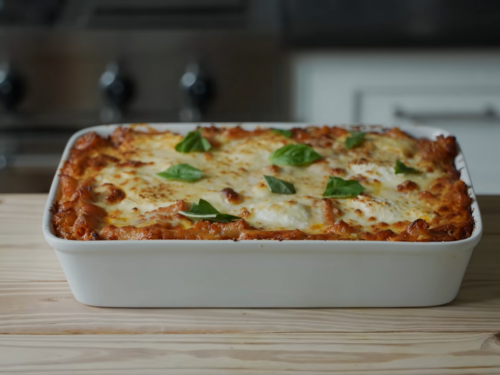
<point x="228" y="183"/>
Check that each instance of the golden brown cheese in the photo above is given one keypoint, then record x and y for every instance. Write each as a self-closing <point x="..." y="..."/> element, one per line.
<point x="110" y="190"/>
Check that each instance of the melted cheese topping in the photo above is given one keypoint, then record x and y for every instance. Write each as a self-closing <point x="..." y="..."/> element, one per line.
<point x="239" y="164"/>
<point x="110" y="190"/>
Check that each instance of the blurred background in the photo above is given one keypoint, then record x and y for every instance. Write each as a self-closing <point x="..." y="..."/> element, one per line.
<point x="69" y="64"/>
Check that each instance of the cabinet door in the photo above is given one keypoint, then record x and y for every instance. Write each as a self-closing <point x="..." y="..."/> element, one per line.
<point x="472" y="115"/>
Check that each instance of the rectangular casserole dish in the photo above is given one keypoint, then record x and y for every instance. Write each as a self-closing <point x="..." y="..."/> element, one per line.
<point x="262" y="273"/>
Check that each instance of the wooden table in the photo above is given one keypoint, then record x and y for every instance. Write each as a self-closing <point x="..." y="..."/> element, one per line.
<point x="43" y="330"/>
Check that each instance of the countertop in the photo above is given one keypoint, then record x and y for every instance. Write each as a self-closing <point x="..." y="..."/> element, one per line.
<point x="44" y="330"/>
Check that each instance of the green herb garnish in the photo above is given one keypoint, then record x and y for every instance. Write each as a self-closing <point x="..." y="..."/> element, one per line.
<point x="284" y="133"/>
<point x="354" y="140"/>
<point x="340" y="188"/>
<point x="279" y="186"/>
<point x="182" y="172"/>
<point x="192" y="142"/>
<point x="295" y="154"/>
<point x="401" y="168"/>
<point x="205" y="211"/>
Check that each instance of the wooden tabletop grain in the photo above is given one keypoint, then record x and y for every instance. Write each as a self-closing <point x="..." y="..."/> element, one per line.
<point x="43" y="330"/>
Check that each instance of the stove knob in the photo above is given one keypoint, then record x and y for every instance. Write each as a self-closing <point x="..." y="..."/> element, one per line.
<point x="12" y="88"/>
<point x="197" y="90"/>
<point x="117" y="89"/>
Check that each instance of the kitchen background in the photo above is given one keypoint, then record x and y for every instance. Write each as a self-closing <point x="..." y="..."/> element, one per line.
<point x="69" y="64"/>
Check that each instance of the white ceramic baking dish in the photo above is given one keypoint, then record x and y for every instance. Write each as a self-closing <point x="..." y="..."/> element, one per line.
<point x="186" y="273"/>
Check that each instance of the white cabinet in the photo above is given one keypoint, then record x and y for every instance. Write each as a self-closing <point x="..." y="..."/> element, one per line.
<point x="459" y="92"/>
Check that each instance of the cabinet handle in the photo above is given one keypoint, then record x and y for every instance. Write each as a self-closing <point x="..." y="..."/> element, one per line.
<point x="488" y="113"/>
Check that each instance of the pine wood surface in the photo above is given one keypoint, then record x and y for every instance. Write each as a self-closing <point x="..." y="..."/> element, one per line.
<point x="43" y="330"/>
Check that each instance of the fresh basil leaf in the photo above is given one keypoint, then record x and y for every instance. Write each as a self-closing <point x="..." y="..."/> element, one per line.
<point x="401" y="168"/>
<point x="182" y="172"/>
<point x="354" y="140"/>
<point x="340" y="188"/>
<point x="284" y="133"/>
<point x="205" y="211"/>
<point x="202" y="208"/>
<point x="279" y="186"/>
<point x="192" y="142"/>
<point x="295" y="154"/>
